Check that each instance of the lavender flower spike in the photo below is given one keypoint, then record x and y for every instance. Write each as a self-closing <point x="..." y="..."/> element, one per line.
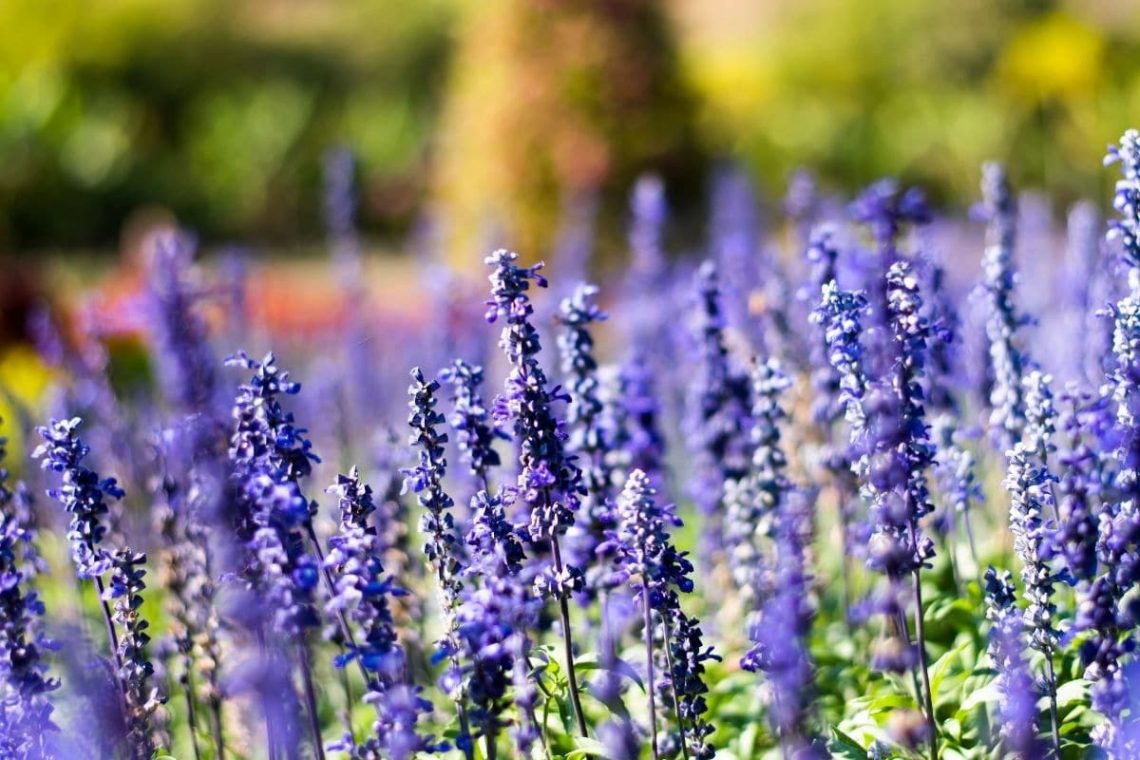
<point x="659" y="572"/>
<point x="1126" y="201"/>
<point x="141" y="699"/>
<point x="426" y="480"/>
<point x="588" y="436"/>
<point x="781" y="633"/>
<point x="82" y="493"/>
<point x="753" y="502"/>
<point x="25" y="720"/>
<point x="475" y="432"/>
<point x="1003" y="322"/>
<point x="548" y="481"/>
<point x="362" y="593"/>
<point x="186" y="363"/>
<point x="1018" y="709"/>
<point x="719" y="410"/>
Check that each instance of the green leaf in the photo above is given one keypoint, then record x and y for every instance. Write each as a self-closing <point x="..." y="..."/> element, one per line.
<point x="986" y="694"/>
<point x="589" y="661"/>
<point x="942" y="667"/>
<point x="1072" y="691"/>
<point x="586" y="747"/>
<point x="842" y="745"/>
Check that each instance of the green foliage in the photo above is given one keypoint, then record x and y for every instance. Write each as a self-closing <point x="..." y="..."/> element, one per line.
<point x="221" y="112"/>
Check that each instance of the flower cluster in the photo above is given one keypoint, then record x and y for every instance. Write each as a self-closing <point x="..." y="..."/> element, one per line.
<point x="781" y="632"/>
<point x="720" y="408"/>
<point x="81" y="492"/>
<point x="362" y="591"/>
<point x="1007" y="357"/>
<point x="186" y="362"/>
<point x="822" y="255"/>
<point x="426" y="481"/>
<point x="1078" y="488"/>
<point x="659" y="572"/>
<point x="140" y="698"/>
<point x="1126" y="201"/>
<point x="754" y="501"/>
<point x="25" y="717"/>
<point x="475" y="432"/>
<point x="549" y="482"/>
<point x="1018" y="709"/>
<point x="588" y="438"/>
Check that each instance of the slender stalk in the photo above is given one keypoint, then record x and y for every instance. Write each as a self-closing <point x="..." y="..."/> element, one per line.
<point x="347" y="632"/>
<point x="947" y="545"/>
<point x="492" y="749"/>
<point x="973" y="546"/>
<point x="112" y="636"/>
<point x="673" y="685"/>
<point x="348" y="701"/>
<point x="216" y="728"/>
<point x="567" y="640"/>
<point x="214" y="701"/>
<point x="1051" y="675"/>
<point x="841" y="504"/>
<point x="904" y="634"/>
<point x="649" y="664"/>
<point x="920" y="634"/>
<point x="270" y="733"/>
<point x="311" y="700"/>
<point x="191" y="713"/>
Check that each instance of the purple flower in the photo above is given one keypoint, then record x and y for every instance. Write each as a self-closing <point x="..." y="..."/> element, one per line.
<point x="719" y="414"/>
<point x="475" y="432"/>
<point x="753" y="501"/>
<point x="1126" y="201"/>
<point x="186" y="363"/>
<point x="822" y="254"/>
<point x="140" y="698"/>
<point x="25" y="721"/>
<point x="426" y="481"/>
<point x="81" y="492"/>
<point x="549" y="482"/>
<point x="886" y="210"/>
<point x="1077" y="490"/>
<point x="265" y="435"/>
<point x="361" y="595"/>
<point x="1007" y="357"/>
<point x="590" y="441"/>
<point x="782" y="631"/>
<point x="1017" y="708"/>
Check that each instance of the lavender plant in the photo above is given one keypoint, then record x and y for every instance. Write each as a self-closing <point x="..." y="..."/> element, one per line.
<point x="26" y="707"/>
<point x="585" y="418"/>
<point x="1018" y="709"/>
<point x="549" y="482"/>
<point x="1004" y="322"/>
<point x="719" y="416"/>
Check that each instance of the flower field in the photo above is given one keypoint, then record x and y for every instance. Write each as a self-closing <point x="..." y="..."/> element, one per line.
<point x="850" y="483"/>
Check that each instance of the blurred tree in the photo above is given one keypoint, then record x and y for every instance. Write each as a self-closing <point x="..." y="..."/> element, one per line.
<point x="218" y="110"/>
<point x="552" y="102"/>
<point x="923" y="89"/>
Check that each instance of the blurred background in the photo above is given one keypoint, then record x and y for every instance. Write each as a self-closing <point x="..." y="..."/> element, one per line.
<point x="503" y="114"/>
<point x="475" y="123"/>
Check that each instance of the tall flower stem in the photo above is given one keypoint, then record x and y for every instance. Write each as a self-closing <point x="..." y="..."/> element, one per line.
<point x="567" y="640"/>
<point x="1051" y="677"/>
<point x="648" y="617"/>
<point x="676" y="696"/>
<point x="920" y="635"/>
<point x="216" y="729"/>
<point x="191" y="715"/>
<point x="112" y="636"/>
<point x="311" y="700"/>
